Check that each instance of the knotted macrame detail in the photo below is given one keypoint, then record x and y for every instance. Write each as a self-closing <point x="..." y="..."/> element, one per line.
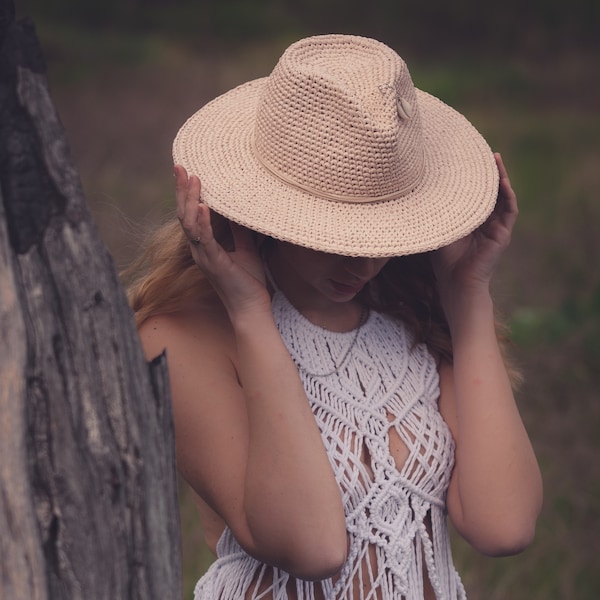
<point x="374" y="395"/>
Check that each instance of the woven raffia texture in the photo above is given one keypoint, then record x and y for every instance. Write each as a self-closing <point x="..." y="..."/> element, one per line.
<point x="329" y="122"/>
<point x="337" y="151"/>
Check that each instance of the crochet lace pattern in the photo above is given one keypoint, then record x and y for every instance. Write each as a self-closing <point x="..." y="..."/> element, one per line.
<point x="392" y="455"/>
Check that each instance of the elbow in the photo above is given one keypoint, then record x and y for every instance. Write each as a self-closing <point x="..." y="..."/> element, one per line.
<point x="505" y="529"/>
<point x="310" y="558"/>
<point x="324" y="560"/>
<point x="505" y="546"/>
<point x="514" y="532"/>
<point x="506" y="539"/>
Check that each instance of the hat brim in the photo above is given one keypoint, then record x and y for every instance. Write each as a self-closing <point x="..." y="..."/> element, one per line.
<point x="456" y="194"/>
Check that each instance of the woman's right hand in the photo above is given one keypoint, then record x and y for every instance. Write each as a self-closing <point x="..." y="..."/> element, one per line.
<point x="238" y="277"/>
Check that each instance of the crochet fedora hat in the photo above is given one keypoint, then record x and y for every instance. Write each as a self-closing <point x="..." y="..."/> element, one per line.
<point x="338" y="151"/>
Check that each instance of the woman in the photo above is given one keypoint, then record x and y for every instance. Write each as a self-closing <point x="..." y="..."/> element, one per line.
<point x="337" y="382"/>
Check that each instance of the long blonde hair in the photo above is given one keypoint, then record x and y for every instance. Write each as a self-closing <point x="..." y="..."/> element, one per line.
<point x="164" y="278"/>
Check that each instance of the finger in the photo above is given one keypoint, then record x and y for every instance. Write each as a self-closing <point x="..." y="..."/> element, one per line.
<point x="191" y="203"/>
<point x="506" y="207"/>
<point x="505" y="187"/>
<point x="204" y="240"/>
<point x="181" y="184"/>
<point x="207" y="251"/>
<point x="188" y="203"/>
<point x="500" y="165"/>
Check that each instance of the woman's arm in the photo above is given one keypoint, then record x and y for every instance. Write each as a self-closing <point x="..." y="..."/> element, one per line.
<point x="495" y="493"/>
<point x="247" y="439"/>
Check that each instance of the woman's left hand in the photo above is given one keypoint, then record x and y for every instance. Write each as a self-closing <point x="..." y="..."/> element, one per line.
<point x="469" y="263"/>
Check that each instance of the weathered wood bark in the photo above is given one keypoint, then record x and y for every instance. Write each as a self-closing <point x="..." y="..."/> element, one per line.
<point x="88" y="500"/>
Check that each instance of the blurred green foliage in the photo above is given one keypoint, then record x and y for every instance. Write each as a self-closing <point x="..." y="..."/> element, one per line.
<point x="535" y="26"/>
<point x="531" y="326"/>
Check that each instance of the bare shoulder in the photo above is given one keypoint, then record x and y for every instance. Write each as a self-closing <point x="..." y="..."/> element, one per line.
<point x="202" y="327"/>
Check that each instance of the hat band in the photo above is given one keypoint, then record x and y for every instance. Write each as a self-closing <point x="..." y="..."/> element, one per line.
<point x="409" y="187"/>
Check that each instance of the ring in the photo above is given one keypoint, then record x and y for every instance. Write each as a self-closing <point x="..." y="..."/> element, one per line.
<point x="196" y="241"/>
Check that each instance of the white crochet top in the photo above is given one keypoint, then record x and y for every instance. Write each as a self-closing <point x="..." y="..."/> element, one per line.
<point x="375" y="398"/>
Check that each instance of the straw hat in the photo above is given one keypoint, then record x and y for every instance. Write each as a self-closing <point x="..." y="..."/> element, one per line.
<point x="338" y="151"/>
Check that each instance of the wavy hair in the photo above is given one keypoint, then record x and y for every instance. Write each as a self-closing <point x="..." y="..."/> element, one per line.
<point x="164" y="278"/>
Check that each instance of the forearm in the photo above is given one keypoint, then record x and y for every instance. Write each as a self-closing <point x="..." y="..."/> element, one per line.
<point x="292" y="500"/>
<point x="498" y="479"/>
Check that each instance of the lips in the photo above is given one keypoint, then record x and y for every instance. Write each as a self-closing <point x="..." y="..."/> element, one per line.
<point x="347" y="288"/>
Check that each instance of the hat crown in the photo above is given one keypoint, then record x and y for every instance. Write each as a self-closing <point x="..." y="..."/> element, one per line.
<point x="339" y="118"/>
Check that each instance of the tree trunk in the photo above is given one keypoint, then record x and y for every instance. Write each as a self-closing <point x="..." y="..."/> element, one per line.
<point x="88" y="496"/>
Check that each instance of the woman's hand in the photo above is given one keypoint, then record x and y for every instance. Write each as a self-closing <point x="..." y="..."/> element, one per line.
<point x="238" y="277"/>
<point x="469" y="263"/>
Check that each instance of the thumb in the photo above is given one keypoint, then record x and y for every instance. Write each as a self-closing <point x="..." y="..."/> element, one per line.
<point x="243" y="238"/>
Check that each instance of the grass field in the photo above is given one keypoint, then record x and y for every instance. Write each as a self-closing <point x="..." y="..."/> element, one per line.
<point x="122" y="99"/>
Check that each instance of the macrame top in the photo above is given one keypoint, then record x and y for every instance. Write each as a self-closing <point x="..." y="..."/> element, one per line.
<point x="374" y="395"/>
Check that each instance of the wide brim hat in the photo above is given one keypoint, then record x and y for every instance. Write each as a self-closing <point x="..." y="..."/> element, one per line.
<point x="338" y="151"/>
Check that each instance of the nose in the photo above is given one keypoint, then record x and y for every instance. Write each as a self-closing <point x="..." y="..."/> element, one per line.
<point x="362" y="267"/>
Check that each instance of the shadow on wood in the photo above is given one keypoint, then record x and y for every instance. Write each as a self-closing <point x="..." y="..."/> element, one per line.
<point x="88" y="497"/>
